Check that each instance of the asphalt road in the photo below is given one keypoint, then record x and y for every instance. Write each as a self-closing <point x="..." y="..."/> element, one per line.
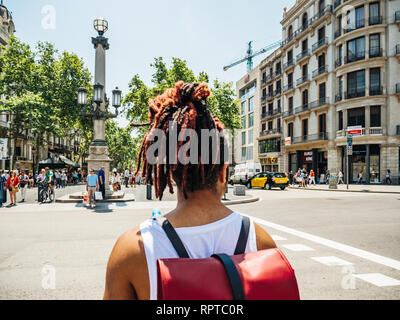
<point x="341" y="245"/>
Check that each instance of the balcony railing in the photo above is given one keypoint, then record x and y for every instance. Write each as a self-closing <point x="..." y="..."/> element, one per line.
<point x="338" y="97"/>
<point x="356" y="93"/>
<point x="320" y="14"/>
<point x="310" y="137"/>
<point x="338" y="62"/>
<point x="302" y="55"/>
<point x="375" y="131"/>
<point x="288" y="64"/>
<point x="302" y="80"/>
<point x="354" y="57"/>
<point x="270" y="132"/>
<point x="373" y="20"/>
<point x="319" y="44"/>
<point x="288" y="113"/>
<point x="277" y="92"/>
<point x="267" y="78"/>
<point x="358" y="24"/>
<point x="319" y="71"/>
<point x="278" y="72"/>
<point x="319" y="103"/>
<point x="267" y="96"/>
<point x="375" y="52"/>
<point x="304" y="107"/>
<point x="375" y="90"/>
<point x="288" y="87"/>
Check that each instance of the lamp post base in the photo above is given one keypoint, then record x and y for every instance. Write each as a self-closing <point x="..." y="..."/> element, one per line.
<point x="98" y="158"/>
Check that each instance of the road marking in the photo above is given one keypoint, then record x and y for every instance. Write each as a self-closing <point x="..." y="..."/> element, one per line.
<point x="297" y="247"/>
<point x="378" y="279"/>
<point x="332" y="261"/>
<point x="395" y="264"/>
<point x="277" y="238"/>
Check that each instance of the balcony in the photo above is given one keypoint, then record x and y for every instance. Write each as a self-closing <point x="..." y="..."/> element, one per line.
<point x="302" y="80"/>
<point x="319" y="71"/>
<point x="278" y="72"/>
<point x="302" y="55"/>
<point x="360" y="23"/>
<point x="319" y="103"/>
<point x="288" y="64"/>
<point x="375" y="90"/>
<point x="277" y="92"/>
<point x="338" y="63"/>
<point x="288" y="113"/>
<point x="303" y="108"/>
<point x="266" y="79"/>
<point x="321" y="43"/>
<point x="375" y="52"/>
<point x="270" y="132"/>
<point x="310" y="138"/>
<point x="319" y="15"/>
<point x="354" y="57"/>
<point x="373" y="20"/>
<point x="266" y="97"/>
<point x="355" y="93"/>
<point x="288" y="87"/>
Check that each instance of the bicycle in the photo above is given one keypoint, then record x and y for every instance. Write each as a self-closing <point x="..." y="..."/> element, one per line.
<point x="46" y="193"/>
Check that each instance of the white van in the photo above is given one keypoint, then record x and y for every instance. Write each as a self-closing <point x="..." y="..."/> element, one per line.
<point x="245" y="171"/>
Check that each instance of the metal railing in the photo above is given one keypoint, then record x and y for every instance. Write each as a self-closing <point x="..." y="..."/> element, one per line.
<point x="303" y="54"/>
<point x="302" y="80"/>
<point x="320" y="43"/>
<point x="288" y="113"/>
<point x="310" y="137"/>
<point x="319" y="103"/>
<point x="288" y="64"/>
<point x="356" y="93"/>
<point x="355" y="57"/>
<point x="277" y="92"/>
<point x="358" y="24"/>
<point x="319" y="71"/>
<point x="288" y="87"/>
<point x="373" y="20"/>
<point x="270" y="132"/>
<point x="375" y="90"/>
<point x="303" y="108"/>
<point x="375" y="52"/>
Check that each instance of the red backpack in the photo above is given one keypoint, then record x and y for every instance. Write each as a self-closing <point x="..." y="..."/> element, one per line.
<point x="261" y="275"/>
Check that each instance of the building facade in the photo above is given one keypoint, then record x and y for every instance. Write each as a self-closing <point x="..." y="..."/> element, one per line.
<point x="338" y="68"/>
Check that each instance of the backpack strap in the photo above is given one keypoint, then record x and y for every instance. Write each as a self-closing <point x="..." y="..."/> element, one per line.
<point x="174" y="238"/>
<point x="243" y="236"/>
<point x="233" y="276"/>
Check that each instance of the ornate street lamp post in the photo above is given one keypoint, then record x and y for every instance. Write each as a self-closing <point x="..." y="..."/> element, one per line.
<point x="98" y="150"/>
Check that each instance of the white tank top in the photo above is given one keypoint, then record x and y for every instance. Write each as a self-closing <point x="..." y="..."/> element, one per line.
<point x="200" y="242"/>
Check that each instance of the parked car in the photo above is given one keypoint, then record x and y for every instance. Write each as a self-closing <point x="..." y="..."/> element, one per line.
<point x="245" y="171"/>
<point x="268" y="180"/>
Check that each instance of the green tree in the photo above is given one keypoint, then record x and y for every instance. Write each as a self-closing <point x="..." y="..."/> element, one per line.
<point x="223" y="102"/>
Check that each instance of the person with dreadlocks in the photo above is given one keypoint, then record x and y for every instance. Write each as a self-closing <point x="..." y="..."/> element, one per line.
<point x="204" y="224"/>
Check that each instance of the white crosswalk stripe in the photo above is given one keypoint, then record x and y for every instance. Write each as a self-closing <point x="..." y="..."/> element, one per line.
<point x="378" y="279"/>
<point x="332" y="261"/>
<point x="297" y="247"/>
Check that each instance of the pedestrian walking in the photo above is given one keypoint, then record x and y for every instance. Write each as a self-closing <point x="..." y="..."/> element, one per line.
<point x="291" y="177"/>
<point x="58" y="179"/>
<point x="115" y="180"/>
<point x="340" y="177"/>
<point x="388" y="180"/>
<point x="92" y="185"/>
<point x="126" y="177"/>
<point x="23" y="184"/>
<point x="13" y="187"/>
<point x="312" y="177"/>
<point x="102" y="182"/>
<point x="209" y="226"/>
<point x="64" y="179"/>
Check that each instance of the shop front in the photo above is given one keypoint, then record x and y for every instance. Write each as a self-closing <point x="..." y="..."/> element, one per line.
<point x="315" y="159"/>
<point x="269" y="164"/>
<point x="364" y="157"/>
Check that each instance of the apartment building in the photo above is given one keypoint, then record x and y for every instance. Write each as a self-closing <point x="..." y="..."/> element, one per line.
<point x="244" y="146"/>
<point x="338" y="68"/>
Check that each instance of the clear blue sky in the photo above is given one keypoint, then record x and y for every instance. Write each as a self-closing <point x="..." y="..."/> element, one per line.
<point x="208" y="33"/>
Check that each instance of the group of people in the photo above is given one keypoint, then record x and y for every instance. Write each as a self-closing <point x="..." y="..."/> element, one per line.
<point x="127" y="178"/>
<point x="303" y="178"/>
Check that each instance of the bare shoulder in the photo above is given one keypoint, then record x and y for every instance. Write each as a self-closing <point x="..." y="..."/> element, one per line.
<point x="126" y="268"/>
<point x="264" y="240"/>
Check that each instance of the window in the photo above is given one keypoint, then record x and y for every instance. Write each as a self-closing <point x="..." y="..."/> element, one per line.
<point x="374" y="13"/>
<point x="321" y="61"/>
<point x="375" y="81"/>
<point x="304" y="21"/>
<point x="270" y="108"/>
<point x="290" y="56"/>
<point x="243" y="109"/>
<point x="355" y="19"/>
<point x="270" y="145"/>
<point x="251" y="120"/>
<point x="249" y="153"/>
<point x="356" y="84"/>
<point x="321" y="6"/>
<point x="340" y="120"/>
<point x="375" y="116"/>
<point x="269" y="125"/>
<point x="322" y="123"/>
<point x="290" y="80"/>
<point x="304" y="71"/>
<point x="290" y="104"/>
<point x="374" y="45"/>
<point x="278" y="86"/>
<point x="304" y="97"/>
<point x="278" y="67"/>
<point x="322" y="90"/>
<point x="278" y="124"/>
<point x="250" y="137"/>
<point x="341" y="86"/>
<point x="360" y="16"/>
<point x="243" y="120"/>
<point x="263" y="126"/>
<point x="279" y="105"/>
<point x="304" y="46"/>
<point x="264" y="92"/>
<point x="251" y="104"/>
<point x="264" y="77"/>
<point x="290" y="130"/>
<point x="290" y="33"/>
<point x="321" y="34"/>
<point x="244" y="154"/>
<point x="356" y="49"/>
<point x="304" y="126"/>
<point x="243" y="138"/>
<point x="356" y="117"/>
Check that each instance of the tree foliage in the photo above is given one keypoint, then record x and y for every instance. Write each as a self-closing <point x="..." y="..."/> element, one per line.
<point x="222" y="102"/>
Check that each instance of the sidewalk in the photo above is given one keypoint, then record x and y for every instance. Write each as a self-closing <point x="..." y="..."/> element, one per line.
<point x="353" y="188"/>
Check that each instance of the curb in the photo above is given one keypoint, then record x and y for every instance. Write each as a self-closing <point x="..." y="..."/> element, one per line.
<point x="241" y="201"/>
<point x="340" y="190"/>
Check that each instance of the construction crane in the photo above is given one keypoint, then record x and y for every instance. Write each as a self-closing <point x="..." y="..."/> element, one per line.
<point x="250" y="55"/>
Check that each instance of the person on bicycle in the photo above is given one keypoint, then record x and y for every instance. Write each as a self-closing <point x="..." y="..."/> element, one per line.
<point x="49" y="178"/>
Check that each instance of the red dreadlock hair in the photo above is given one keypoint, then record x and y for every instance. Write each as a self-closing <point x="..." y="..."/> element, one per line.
<point x="186" y="107"/>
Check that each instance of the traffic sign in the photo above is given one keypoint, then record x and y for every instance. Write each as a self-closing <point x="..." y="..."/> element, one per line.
<point x="349" y="150"/>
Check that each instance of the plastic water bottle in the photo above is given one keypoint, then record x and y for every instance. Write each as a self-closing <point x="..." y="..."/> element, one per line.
<point x="156" y="213"/>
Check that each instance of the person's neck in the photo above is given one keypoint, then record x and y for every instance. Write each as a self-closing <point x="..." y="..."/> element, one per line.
<point x="200" y="207"/>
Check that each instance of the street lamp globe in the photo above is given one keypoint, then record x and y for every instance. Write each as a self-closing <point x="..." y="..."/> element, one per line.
<point x="116" y="97"/>
<point x="82" y="96"/>
<point x="98" y="93"/>
<point x="100" y="25"/>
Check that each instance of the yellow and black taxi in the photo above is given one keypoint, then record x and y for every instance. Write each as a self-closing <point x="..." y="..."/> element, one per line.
<point x="268" y="180"/>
